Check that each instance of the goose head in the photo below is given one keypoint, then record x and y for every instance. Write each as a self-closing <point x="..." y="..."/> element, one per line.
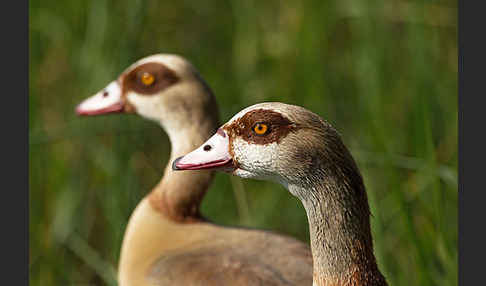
<point x="165" y="88"/>
<point x="272" y="141"/>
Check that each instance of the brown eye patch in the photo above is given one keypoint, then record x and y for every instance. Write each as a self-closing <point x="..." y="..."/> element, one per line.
<point x="261" y="126"/>
<point x="148" y="79"/>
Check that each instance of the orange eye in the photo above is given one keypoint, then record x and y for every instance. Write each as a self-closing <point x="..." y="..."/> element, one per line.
<point x="260" y="128"/>
<point x="147" y="79"/>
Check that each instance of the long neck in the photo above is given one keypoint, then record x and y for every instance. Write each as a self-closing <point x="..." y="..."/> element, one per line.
<point x="338" y="214"/>
<point x="178" y="195"/>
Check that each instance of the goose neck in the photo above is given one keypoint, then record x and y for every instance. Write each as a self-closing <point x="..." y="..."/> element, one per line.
<point x="340" y="235"/>
<point x="178" y="195"/>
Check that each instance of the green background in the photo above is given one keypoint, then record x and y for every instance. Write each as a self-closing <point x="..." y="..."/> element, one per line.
<point x="384" y="73"/>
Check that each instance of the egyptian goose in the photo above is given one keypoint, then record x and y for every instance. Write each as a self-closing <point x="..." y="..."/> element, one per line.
<point x="295" y="147"/>
<point x="167" y="241"/>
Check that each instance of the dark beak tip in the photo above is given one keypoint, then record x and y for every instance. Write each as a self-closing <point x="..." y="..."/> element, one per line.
<point x="174" y="164"/>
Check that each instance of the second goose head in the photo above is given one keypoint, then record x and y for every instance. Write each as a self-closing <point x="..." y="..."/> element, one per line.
<point x="165" y="88"/>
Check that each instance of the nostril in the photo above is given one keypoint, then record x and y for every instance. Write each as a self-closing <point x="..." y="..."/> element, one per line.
<point x="105" y="93"/>
<point x="207" y="148"/>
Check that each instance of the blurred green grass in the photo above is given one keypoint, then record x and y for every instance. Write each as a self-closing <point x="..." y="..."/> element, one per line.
<point x="384" y="73"/>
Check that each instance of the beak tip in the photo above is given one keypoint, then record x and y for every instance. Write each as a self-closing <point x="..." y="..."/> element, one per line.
<point x="174" y="164"/>
<point x="78" y="111"/>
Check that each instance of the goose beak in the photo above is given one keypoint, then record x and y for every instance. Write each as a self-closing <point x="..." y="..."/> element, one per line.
<point x="213" y="154"/>
<point x="107" y="100"/>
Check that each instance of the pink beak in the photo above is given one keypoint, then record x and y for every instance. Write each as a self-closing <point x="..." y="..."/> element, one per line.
<point x="213" y="154"/>
<point x="108" y="100"/>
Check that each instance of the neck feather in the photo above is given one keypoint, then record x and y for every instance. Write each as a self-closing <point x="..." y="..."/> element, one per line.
<point x="178" y="195"/>
<point x="339" y="224"/>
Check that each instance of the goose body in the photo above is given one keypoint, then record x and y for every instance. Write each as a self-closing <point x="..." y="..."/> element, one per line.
<point x="167" y="241"/>
<point x="296" y="148"/>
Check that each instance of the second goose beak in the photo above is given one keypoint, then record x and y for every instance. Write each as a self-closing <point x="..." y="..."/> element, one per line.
<point x="108" y="100"/>
<point x="213" y="154"/>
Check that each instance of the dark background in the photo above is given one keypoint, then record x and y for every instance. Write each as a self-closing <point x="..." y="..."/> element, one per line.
<point x="384" y="73"/>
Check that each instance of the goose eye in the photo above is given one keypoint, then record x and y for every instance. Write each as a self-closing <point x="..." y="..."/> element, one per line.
<point x="260" y="128"/>
<point x="147" y="78"/>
